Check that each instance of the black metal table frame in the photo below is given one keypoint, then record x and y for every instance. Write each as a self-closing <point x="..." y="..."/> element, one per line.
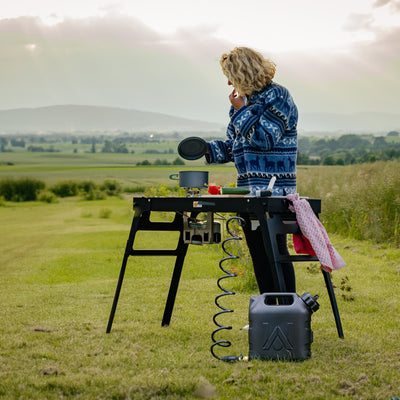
<point x="272" y="214"/>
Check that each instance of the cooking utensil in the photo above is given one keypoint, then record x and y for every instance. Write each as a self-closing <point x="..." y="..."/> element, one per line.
<point x="268" y="192"/>
<point x="191" y="179"/>
<point x="192" y="148"/>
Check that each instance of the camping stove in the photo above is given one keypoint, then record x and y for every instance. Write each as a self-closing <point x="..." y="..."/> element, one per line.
<point x="198" y="231"/>
<point x="201" y="232"/>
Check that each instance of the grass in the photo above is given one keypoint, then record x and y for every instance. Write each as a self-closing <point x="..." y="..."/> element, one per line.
<point x="361" y="201"/>
<point x="59" y="265"/>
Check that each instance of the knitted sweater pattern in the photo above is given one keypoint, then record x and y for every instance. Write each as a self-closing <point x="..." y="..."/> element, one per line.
<point x="261" y="141"/>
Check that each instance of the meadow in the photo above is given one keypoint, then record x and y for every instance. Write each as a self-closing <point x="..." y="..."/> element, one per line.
<point x="59" y="266"/>
<point x="54" y="167"/>
<point x="361" y="201"/>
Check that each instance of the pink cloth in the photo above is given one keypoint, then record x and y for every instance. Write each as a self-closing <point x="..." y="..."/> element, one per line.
<point x="313" y="230"/>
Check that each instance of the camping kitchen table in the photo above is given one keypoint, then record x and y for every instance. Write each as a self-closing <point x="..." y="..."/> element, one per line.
<point x="272" y="214"/>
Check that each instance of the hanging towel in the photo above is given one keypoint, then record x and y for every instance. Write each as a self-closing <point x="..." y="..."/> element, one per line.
<point x="302" y="245"/>
<point x="313" y="230"/>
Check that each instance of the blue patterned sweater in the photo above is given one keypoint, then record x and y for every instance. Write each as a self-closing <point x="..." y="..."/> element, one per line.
<point x="261" y="141"/>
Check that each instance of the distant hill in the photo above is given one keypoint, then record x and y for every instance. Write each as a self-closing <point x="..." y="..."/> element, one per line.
<point x="74" y="118"/>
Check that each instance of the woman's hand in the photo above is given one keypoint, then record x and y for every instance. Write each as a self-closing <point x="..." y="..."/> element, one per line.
<point x="236" y="100"/>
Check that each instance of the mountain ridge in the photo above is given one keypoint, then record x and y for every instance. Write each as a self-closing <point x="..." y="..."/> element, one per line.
<point x="71" y="118"/>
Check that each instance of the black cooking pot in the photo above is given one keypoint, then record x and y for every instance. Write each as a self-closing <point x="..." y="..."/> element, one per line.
<point x="191" y="179"/>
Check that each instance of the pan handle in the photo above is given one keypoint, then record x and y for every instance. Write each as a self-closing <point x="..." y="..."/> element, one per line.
<point x="174" y="177"/>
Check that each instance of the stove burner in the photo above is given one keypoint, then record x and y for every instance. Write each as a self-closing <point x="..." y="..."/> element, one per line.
<point x="192" y="192"/>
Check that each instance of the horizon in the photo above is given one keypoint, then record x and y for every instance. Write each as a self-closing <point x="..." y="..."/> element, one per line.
<point x="178" y="116"/>
<point x="75" y="117"/>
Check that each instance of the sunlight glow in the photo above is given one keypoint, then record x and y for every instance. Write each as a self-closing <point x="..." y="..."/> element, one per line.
<point x="31" y="47"/>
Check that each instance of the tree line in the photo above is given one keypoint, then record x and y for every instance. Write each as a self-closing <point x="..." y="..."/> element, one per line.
<point x="344" y="150"/>
<point x="348" y="149"/>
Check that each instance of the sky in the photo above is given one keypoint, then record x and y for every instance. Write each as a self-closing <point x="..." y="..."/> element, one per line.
<point x="163" y="56"/>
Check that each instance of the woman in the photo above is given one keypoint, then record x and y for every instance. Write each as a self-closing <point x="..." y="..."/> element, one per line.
<point x="261" y="141"/>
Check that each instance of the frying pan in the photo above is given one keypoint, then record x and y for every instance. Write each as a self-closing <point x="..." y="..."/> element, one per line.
<point x="192" y="148"/>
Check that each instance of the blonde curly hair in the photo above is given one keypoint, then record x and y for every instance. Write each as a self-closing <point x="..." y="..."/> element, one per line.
<point x="247" y="70"/>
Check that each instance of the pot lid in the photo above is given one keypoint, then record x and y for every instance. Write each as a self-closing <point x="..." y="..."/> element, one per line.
<point x="192" y="148"/>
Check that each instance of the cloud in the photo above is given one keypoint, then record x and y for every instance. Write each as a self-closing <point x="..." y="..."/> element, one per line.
<point x="357" y="22"/>
<point x="381" y="3"/>
<point x="121" y="29"/>
<point x="111" y="60"/>
<point x="394" y="4"/>
<point x="374" y="56"/>
<point x="363" y="78"/>
<point x="199" y="43"/>
<point x="116" y="60"/>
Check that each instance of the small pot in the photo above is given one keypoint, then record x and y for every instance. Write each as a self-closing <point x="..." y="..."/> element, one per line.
<point x="191" y="179"/>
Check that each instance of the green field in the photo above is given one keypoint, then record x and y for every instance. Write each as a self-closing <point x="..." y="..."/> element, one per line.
<point x="59" y="266"/>
<point x="55" y="167"/>
<point x="361" y="201"/>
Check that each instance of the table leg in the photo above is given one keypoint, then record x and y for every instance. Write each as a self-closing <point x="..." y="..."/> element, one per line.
<point x="272" y="251"/>
<point x="128" y="249"/>
<point x="180" y="257"/>
<point x="332" y="298"/>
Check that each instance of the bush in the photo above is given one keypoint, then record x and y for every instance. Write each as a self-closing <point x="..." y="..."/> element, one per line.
<point x="65" y="189"/>
<point x="134" y="189"/>
<point x="87" y="189"/>
<point x="144" y="162"/>
<point x="87" y="186"/>
<point x="47" y="197"/>
<point x="161" y="162"/>
<point x="178" y="161"/>
<point x="112" y="188"/>
<point x="94" y="195"/>
<point x="24" y="189"/>
<point x="164" y="190"/>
